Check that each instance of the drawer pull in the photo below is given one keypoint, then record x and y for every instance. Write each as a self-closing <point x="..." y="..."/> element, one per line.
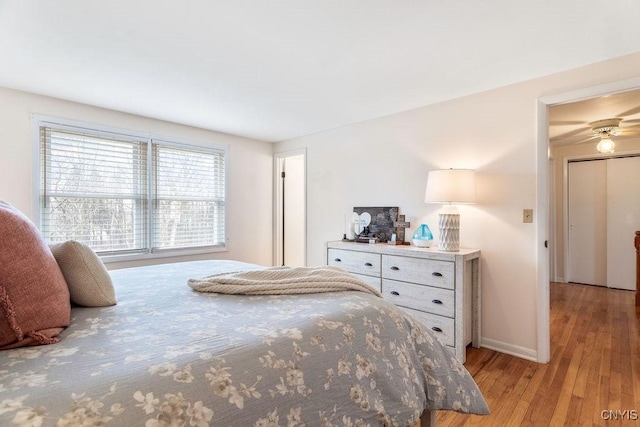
<point x="436" y="329"/>
<point x="396" y="293"/>
<point x="337" y="260"/>
<point x="436" y="301"/>
<point x="395" y="268"/>
<point x="435" y="273"/>
<point x="368" y="264"/>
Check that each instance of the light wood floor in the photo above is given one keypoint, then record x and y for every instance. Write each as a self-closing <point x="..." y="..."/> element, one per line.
<point x="595" y="366"/>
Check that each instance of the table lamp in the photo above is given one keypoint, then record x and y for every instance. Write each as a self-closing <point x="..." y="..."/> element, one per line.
<point x="451" y="187"/>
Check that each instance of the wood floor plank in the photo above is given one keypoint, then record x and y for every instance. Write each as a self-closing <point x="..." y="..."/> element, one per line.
<point x="576" y="405"/>
<point x="580" y="386"/>
<point x="564" y="398"/>
<point x="595" y="367"/>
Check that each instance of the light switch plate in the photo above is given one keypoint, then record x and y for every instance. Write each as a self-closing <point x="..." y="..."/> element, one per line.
<point x="527" y="215"/>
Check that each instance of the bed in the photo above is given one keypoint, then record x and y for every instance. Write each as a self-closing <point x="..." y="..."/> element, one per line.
<point x="167" y="355"/>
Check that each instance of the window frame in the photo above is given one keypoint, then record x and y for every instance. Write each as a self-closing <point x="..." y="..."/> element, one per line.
<point x="150" y="139"/>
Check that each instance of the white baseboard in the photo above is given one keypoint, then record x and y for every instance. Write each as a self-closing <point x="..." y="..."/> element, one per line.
<point x="513" y="350"/>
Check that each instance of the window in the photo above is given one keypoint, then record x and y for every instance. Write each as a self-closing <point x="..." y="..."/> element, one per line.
<point x="123" y="194"/>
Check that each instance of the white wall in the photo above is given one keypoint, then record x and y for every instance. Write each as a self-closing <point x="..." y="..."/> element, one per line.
<point x="249" y="220"/>
<point x="384" y="162"/>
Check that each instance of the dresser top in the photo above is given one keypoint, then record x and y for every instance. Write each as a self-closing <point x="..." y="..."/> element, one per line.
<point x="405" y="250"/>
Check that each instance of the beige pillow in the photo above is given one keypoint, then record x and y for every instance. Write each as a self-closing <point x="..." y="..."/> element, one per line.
<point x="88" y="279"/>
<point x="34" y="298"/>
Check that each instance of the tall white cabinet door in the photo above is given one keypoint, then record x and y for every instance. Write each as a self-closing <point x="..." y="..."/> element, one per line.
<point x="623" y="213"/>
<point x="294" y="212"/>
<point x="587" y="195"/>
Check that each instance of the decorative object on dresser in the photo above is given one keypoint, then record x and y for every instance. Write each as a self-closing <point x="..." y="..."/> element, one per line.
<point x="400" y="226"/>
<point x="450" y="186"/>
<point x="439" y="288"/>
<point x="357" y="228"/>
<point x="351" y="221"/>
<point x="382" y="222"/>
<point x="422" y="236"/>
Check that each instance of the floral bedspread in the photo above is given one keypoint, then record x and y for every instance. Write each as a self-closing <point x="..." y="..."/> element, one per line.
<point x="167" y="355"/>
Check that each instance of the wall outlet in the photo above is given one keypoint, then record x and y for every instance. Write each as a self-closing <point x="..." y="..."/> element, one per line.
<point x="527" y="215"/>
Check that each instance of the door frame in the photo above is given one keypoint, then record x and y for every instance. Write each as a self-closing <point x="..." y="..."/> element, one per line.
<point x="277" y="203"/>
<point x="542" y="202"/>
<point x="551" y="218"/>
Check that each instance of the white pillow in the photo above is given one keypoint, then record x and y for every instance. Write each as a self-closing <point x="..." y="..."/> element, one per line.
<point x="88" y="280"/>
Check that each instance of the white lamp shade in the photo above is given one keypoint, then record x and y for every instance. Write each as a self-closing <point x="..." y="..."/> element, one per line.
<point x="451" y="186"/>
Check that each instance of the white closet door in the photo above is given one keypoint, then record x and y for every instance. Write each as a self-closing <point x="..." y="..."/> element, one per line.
<point x="623" y="213"/>
<point x="587" y="222"/>
<point x="294" y="212"/>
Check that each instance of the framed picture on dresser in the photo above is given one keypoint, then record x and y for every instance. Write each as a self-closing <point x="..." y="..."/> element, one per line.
<point x="382" y="221"/>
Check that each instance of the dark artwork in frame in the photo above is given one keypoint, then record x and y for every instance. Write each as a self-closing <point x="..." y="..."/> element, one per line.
<point x="382" y="219"/>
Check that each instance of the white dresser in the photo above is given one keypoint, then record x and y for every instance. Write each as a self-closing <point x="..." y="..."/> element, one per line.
<point x="440" y="289"/>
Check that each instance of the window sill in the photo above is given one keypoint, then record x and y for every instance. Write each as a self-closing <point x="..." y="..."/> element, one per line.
<point x="107" y="259"/>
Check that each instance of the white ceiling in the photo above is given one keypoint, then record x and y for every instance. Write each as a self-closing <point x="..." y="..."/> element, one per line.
<point x="279" y="69"/>
<point x="572" y="123"/>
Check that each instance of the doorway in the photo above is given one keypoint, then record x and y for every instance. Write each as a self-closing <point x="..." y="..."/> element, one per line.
<point x="290" y="209"/>
<point x="542" y="189"/>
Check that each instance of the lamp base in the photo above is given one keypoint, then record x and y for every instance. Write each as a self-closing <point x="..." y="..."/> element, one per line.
<point x="449" y="224"/>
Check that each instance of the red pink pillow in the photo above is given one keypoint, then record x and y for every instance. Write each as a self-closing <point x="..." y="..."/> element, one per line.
<point x="34" y="297"/>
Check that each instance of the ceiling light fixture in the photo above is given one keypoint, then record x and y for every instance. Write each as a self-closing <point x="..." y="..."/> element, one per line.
<point x="604" y="129"/>
<point x="606" y="144"/>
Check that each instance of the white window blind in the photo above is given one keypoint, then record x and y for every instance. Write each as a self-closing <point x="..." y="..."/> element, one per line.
<point x="189" y="198"/>
<point x="126" y="195"/>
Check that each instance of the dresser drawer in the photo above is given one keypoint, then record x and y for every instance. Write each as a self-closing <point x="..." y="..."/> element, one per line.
<point x="374" y="282"/>
<point x="442" y="327"/>
<point x="430" y="272"/>
<point x="355" y="262"/>
<point x="420" y="297"/>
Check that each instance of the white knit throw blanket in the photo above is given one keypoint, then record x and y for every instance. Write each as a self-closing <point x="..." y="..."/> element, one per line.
<point x="281" y="281"/>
